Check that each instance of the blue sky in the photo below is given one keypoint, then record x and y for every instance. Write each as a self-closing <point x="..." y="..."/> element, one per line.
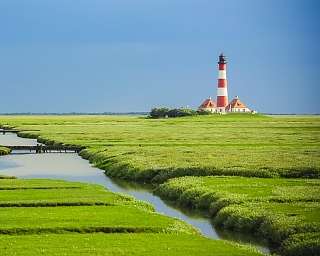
<point x="131" y="55"/>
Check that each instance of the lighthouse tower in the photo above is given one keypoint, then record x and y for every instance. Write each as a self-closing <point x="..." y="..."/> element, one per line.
<point x="222" y="92"/>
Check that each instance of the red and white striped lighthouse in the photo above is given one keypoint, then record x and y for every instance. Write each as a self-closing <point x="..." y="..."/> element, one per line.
<point x="222" y="93"/>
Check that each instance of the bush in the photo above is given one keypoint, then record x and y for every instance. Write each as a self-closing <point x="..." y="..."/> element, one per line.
<point x="178" y="112"/>
<point x="204" y="112"/>
<point x="159" y="112"/>
<point x="175" y="112"/>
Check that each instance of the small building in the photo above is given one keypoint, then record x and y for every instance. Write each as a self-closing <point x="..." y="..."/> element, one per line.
<point x="208" y="105"/>
<point x="237" y="106"/>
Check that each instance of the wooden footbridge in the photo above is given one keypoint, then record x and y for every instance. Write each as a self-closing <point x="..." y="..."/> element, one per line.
<point x="4" y="131"/>
<point x="47" y="148"/>
<point x="41" y="148"/>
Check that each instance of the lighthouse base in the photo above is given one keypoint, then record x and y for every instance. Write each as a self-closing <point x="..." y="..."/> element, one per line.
<point x="221" y="110"/>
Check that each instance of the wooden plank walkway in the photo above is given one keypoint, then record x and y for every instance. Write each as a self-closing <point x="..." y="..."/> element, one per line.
<point x="8" y="131"/>
<point x="48" y="148"/>
<point x="40" y="148"/>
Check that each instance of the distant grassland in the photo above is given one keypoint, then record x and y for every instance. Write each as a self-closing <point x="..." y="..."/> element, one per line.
<point x="38" y="220"/>
<point x="143" y="149"/>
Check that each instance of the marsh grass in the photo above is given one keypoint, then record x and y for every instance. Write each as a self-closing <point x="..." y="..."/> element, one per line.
<point x="4" y="151"/>
<point x="60" y="206"/>
<point x="52" y="225"/>
<point x="140" y="244"/>
<point x="274" y="221"/>
<point x="41" y="193"/>
<point x="136" y="148"/>
<point x="213" y="193"/>
<point x="274" y="209"/>
<point x="85" y="219"/>
<point x="302" y="244"/>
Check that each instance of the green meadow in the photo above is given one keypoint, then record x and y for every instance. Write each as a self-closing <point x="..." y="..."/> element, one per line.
<point x="137" y="244"/>
<point x="37" y="219"/>
<point x="154" y="150"/>
<point x="88" y="219"/>
<point x="273" y="208"/>
<point x="34" y="192"/>
<point x="213" y="193"/>
<point x="252" y="173"/>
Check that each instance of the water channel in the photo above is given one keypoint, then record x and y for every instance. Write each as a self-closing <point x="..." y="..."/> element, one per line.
<point x="71" y="167"/>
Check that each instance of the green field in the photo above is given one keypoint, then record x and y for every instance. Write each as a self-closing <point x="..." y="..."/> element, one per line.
<point x="34" y="222"/>
<point x="275" y="209"/>
<point x="276" y="160"/>
<point x="213" y="193"/>
<point x="34" y="192"/>
<point x="108" y="219"/>
<point x="137" y="148"/>
<point x="118" y="244"/>
<point x="280" y="223"/>
<point x="69" y="206"/>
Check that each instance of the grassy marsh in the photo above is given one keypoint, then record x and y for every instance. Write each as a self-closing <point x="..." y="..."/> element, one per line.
<point x="137" y="148"/>
<point x="119" y="244"/>
<point x="266" y="150"/>
<point x="34" y="192"/>
<point x="272" y="208"/>
<point x="124" y="227"/>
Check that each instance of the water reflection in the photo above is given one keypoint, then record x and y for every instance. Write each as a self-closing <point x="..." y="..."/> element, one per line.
<point x="11" y="139"/>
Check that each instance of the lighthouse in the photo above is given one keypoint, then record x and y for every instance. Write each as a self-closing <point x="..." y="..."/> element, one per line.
<point x="222" y="105"/>
<point x="222" y="91"/>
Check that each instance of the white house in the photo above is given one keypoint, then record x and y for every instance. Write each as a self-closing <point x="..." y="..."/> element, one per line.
<point x="237" y="106"/>
<point x="208" y="105"/>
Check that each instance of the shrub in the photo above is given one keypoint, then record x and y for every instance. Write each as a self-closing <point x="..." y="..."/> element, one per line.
<point x="175" y="112"/>
<point x="179" y="112"/>
<point x="159" y="112"/>
<point x="204" y="112"/>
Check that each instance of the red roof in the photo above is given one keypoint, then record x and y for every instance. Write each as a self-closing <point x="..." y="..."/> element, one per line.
<point x="235" y="103"/>
<point x="208" y="103"/>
